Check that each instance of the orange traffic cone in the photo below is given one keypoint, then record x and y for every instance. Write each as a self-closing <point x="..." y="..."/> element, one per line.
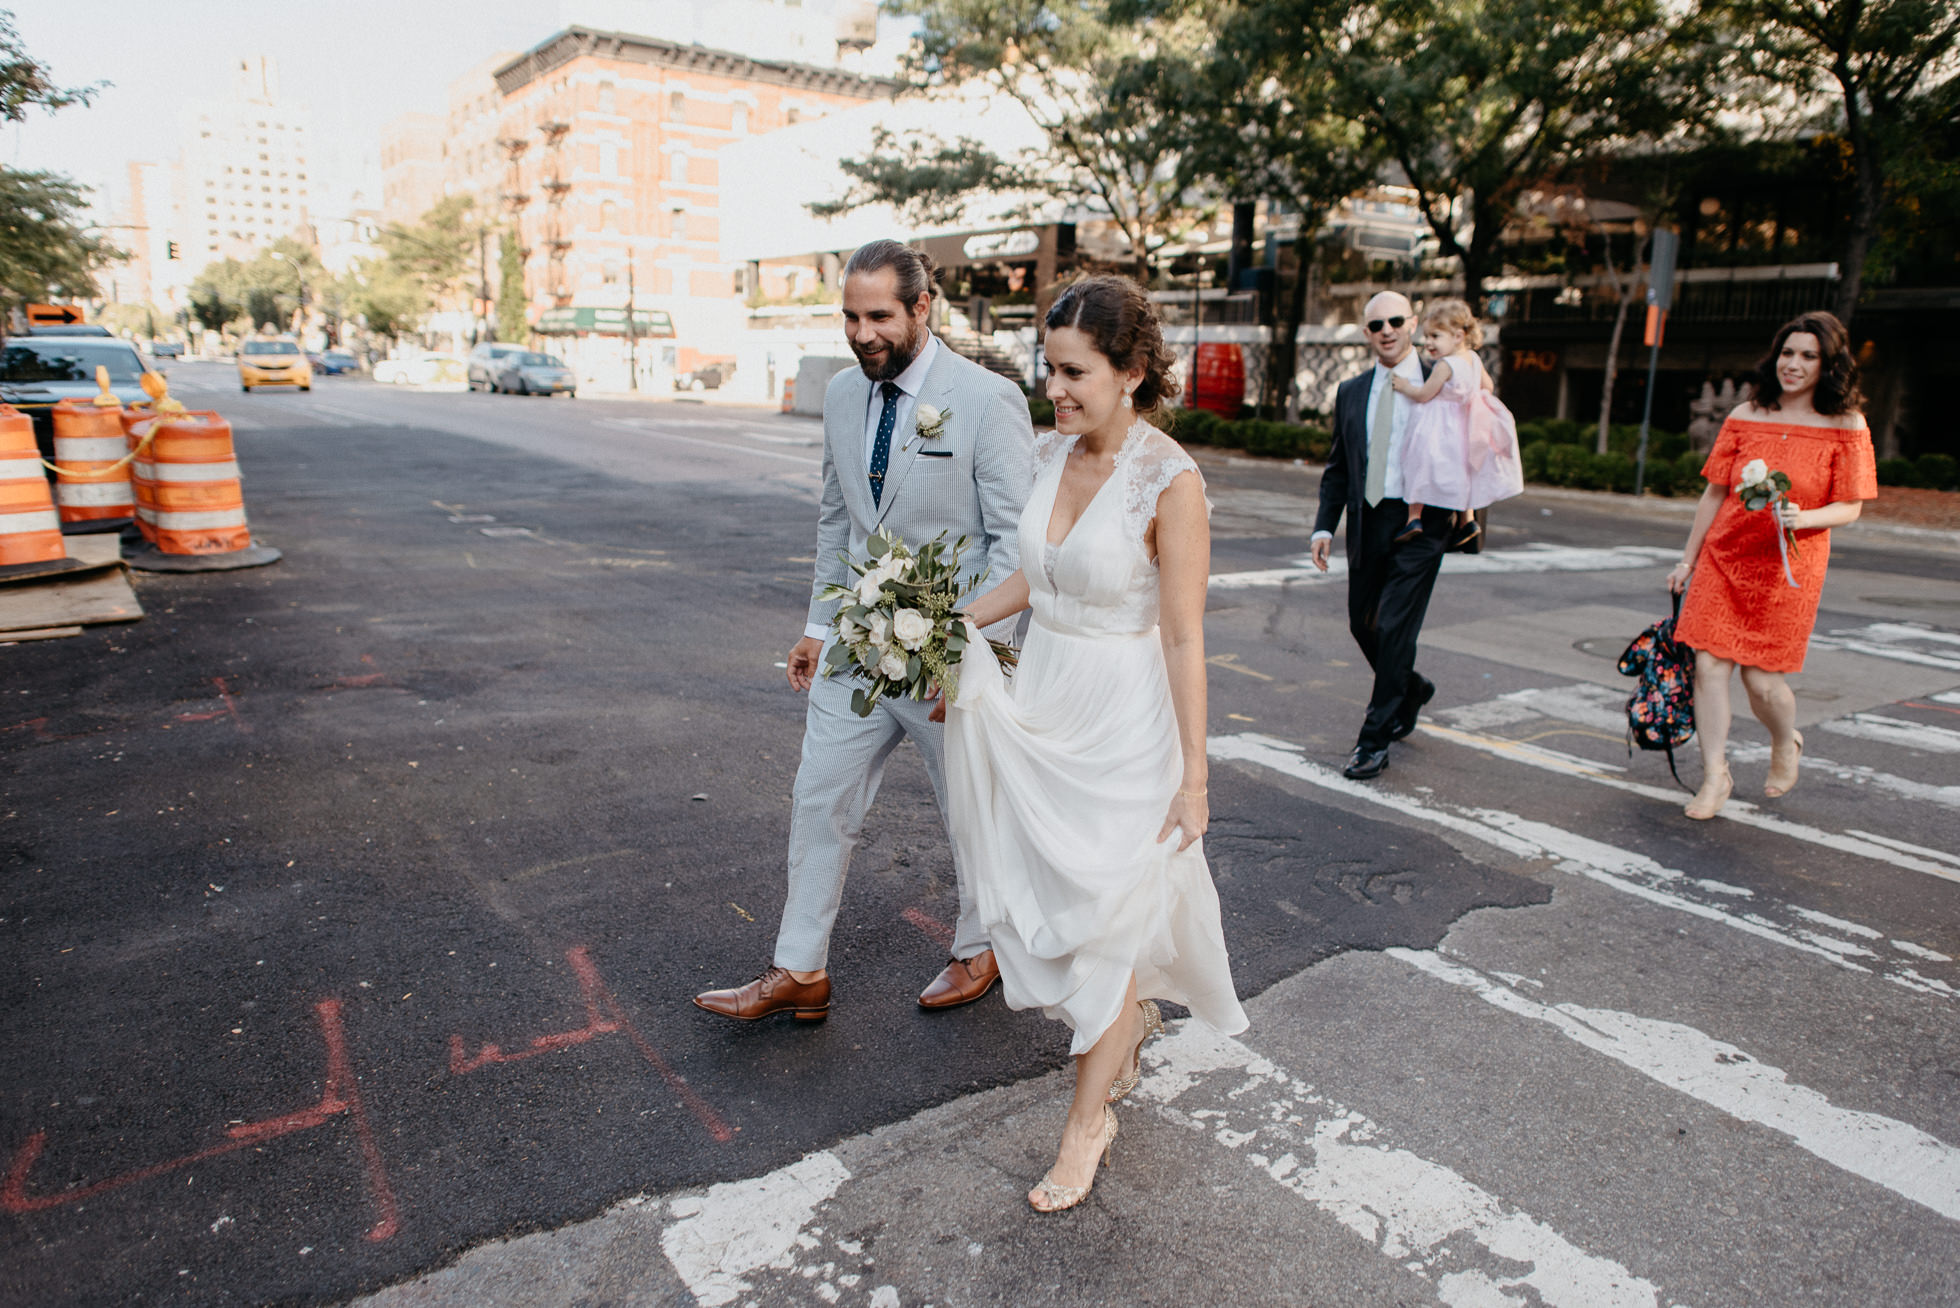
<point x="30" y="530"/>
<point x="198" y="513"/>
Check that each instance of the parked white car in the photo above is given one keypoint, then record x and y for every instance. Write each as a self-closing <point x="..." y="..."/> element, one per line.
<point x="422" y="370"/>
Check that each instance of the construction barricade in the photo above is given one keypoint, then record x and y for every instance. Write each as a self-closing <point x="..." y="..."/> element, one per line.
<point x="197" y="506"/>
<point x="136" y="420"/>
<point x="30" y="529"/>
<point x="92" y="490"/>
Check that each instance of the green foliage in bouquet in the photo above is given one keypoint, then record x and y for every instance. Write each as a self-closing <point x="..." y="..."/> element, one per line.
<point x="899" y="626"/>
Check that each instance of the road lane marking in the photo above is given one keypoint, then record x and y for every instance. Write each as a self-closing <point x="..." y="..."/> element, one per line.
<point x="1525" y="559"/>
<point x="1945" y="856"/>
<point x="626" y="424"/>
<point x="1605" y="709"/>
<point x="1882" y="1150"/>
<point x="1736" y="810"/>
<point x="1418" y="1213"/>
<point x="1887" y="640"/>
<point x="739" y="1228"/>
<point x="1623" y="870"/>
<point x="1895" y="731"/>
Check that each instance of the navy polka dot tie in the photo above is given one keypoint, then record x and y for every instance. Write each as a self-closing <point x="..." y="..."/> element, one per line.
<point x="881" y="446"/>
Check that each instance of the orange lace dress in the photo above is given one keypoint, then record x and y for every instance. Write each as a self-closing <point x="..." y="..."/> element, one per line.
<point x="1739" y="606"/>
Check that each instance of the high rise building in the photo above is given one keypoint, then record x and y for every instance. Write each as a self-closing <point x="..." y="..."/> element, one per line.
<point x="243" y="179"/>
<point x="411" y="166"/>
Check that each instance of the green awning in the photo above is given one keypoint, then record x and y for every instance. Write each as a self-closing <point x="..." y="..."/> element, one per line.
<point x="591" y="321"/>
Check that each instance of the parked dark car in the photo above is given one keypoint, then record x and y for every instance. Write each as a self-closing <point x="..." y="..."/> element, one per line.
<point x="333" y="363"/>
<point x="167" y="349"/>
<point x="708" y="377"/>
<point x="36" y="372"/>
<point x="534" y="374"/>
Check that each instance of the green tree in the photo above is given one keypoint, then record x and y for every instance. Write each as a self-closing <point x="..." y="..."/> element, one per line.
<point x="439" y="251"/>
<point x="1887" y="68"/>
<point x="1262" y="122"/>
<point x="1072" y="67"/>
<point x="511" y="300"/>
<point x="1478" y="102"/>
<point x="45" y="248"/>
<point x="388" y="298"/>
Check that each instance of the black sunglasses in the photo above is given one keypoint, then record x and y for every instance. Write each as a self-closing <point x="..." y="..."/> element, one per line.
<point x="1375" y="324"/>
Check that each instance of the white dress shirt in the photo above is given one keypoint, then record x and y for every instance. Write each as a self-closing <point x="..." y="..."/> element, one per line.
<point x="1410" y="369"/>
<point x="910" y="382"/>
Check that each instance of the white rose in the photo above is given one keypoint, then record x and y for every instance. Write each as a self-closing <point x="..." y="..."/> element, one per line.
<point x="849" y="629"/>
<point x="880" y="630"/>
<point x="930" y="415"/>
<point x="868" y="584"/>
<point x="910" y="628"/>
<point x="892" y="666"/>
<point x="1754" y="471"/>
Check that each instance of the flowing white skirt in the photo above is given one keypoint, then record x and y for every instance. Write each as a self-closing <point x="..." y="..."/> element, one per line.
<point x="1058" y="782"/>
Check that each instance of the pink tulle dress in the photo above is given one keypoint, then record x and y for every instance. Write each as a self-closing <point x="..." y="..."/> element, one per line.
<point x="1461" y="447"/>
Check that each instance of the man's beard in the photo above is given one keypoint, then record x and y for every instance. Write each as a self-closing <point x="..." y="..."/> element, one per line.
<point x="897" y="357"/>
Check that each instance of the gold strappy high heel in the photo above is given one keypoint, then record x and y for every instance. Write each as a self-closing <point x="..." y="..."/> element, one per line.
<point x="1053" y="1196"/>
<point x="1153" y="1025"/>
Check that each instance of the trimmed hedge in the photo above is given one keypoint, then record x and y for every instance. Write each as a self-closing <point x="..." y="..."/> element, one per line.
<point x="1931" y="471"/>
<point x="1556" y="452"/>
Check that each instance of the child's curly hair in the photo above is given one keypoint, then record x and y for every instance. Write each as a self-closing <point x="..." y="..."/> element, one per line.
<point x="1456" y="316"/>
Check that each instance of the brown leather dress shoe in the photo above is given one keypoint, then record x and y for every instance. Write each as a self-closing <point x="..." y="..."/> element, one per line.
<point x="963" y="981"/>
<point x="775" y="991"/>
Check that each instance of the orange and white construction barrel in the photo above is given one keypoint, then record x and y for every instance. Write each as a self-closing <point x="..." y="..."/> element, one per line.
<point x="30" y="529"/>
<point x="92" y="489"/>
<point x="136" y="420"/>
<point x="198" y="512"/>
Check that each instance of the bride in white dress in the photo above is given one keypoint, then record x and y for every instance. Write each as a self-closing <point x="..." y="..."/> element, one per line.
<point x="1077" y="788"/>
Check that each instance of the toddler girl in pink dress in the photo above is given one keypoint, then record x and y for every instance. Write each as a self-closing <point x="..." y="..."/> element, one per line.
<point x="1461" y="448"/>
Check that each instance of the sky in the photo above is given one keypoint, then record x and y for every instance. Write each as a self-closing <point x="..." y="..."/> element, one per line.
<point x="356" y="63"/>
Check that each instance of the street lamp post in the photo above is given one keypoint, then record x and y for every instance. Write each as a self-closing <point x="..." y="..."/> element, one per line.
<point x="632" y="332"/>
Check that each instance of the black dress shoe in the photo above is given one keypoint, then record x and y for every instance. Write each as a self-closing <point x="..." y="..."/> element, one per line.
<point x="1405" y="721"/>
<point x="1365" y="763"/>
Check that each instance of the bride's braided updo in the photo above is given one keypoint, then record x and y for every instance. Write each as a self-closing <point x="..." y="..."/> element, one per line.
<point x="1119" y="320"/>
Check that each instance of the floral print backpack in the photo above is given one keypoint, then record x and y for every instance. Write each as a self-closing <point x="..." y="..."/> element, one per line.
<point x="1661" y="710"/>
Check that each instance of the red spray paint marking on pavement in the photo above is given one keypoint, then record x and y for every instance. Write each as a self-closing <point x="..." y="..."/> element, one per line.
<point x="603" y="1016"/>
<point x="929" y="924"/>
<point x="231" y="706"/>
<point x="340" y="1095"/>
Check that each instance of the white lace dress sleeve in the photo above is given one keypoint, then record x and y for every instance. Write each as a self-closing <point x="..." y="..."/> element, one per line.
<point x="1155" y="462"/>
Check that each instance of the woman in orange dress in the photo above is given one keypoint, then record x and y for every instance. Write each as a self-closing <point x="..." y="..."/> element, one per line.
<point x="1740" y="609"/>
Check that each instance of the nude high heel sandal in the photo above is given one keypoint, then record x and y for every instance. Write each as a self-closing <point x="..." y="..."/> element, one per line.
<point x="1153" y="1025"/>
<point x="1708" y="801"/>
<point x="1052" y="1197"/>
<point x="1777" y="789"/>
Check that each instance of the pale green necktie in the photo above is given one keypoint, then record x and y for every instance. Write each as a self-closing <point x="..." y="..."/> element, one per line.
<point x="1378" y="432"/>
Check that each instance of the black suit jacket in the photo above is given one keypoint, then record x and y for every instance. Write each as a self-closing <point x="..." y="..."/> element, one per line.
<point x="1345" y="480"/>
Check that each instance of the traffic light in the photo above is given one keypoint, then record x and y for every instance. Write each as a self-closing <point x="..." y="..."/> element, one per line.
<point x="170" y="249"/>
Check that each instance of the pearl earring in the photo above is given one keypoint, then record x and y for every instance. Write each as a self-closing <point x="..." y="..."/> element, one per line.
<point x="1126" y="399"/>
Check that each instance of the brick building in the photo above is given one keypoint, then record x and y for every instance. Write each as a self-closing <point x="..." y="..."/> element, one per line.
<point x="612" y="175"/>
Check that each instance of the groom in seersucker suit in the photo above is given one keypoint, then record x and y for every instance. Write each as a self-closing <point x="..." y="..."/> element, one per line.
<point x="879" y="470"/>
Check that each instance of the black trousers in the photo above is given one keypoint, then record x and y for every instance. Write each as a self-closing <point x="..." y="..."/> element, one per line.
<point x="1388" y="595"/>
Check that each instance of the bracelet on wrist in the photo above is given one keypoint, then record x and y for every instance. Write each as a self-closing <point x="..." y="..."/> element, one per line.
<point x="1196" y="794"/>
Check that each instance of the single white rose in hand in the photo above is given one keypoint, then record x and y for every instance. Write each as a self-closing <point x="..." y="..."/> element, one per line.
<point x="892" y="665"/>
<point x="1754" y="471"/>
<point x="910" y="628"/>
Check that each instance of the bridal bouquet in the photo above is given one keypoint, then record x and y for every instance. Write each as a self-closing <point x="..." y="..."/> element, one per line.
<point x="1759" y="488"/>
<point x="899" y="627"/>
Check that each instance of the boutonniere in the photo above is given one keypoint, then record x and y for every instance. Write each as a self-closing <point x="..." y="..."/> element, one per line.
<point x="930" y="422"/>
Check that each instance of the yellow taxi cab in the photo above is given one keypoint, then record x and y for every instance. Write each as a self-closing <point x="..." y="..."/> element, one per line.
<point x="275" y="362"/>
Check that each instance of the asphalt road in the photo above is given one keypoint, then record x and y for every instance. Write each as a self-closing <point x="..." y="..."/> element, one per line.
<point x="352" y="907"/>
